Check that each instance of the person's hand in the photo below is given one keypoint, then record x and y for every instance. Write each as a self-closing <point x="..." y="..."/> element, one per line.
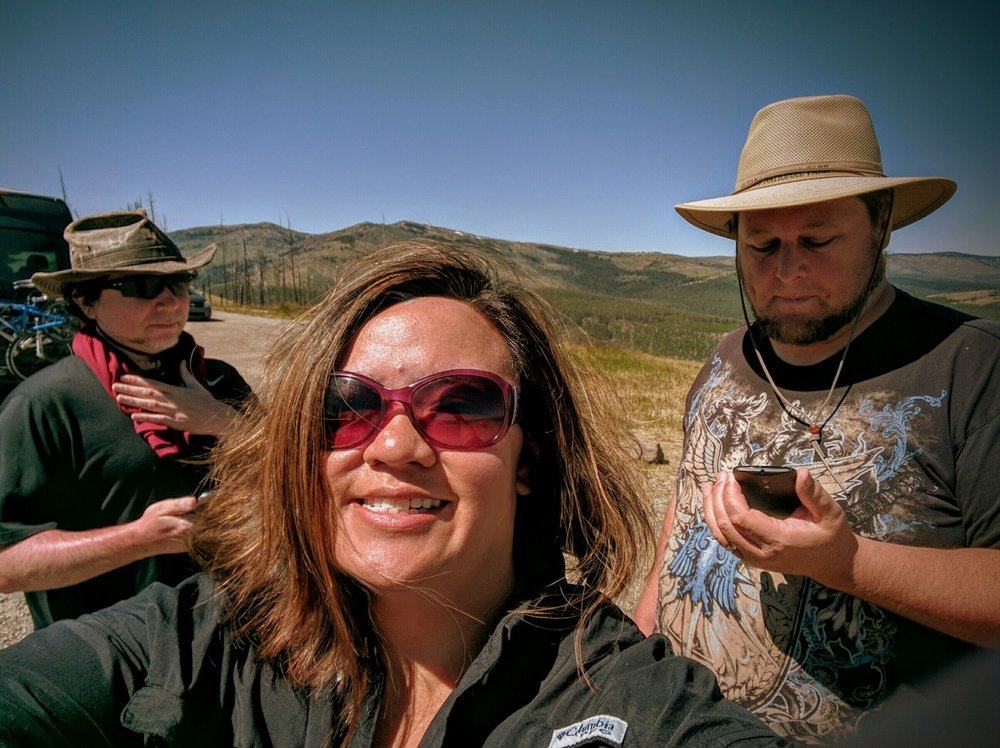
<point x="189" y="408"/>
<point x="815" y="541"/>
<point x="165" y="525"/>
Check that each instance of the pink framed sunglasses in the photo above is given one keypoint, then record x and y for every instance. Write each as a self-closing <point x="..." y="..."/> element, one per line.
<point x="461" y="409"/>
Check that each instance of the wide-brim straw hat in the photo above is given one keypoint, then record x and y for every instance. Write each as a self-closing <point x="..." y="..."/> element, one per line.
<point x="809" y="150"/>
<point x="118" y="244"/>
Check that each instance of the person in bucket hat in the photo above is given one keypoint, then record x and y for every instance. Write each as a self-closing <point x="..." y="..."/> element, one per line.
<point x="881" y="565"/>
<point x="102" y="450"/>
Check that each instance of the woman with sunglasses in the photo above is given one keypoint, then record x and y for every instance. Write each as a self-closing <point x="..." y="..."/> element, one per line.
<point x="98" y="453"/>
<point x="385" y="552"/>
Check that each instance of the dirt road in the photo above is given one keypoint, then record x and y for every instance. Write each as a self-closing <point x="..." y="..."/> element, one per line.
<point x="237" y="338"/>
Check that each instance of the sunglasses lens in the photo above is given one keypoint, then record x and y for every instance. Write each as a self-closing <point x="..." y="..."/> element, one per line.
<point x="134" y="288"/>
<point x="148" y="287"/>
<point x="464" y="411"/>
<point x="178" y="284"/>
<point x="352" y="411"/>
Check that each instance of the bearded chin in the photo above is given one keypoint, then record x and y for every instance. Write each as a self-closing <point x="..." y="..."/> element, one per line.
<point x="813" y="330"/>
<point x="817" y="330"/>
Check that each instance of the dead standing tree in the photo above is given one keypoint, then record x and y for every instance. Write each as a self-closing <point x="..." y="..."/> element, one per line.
<point x="261" y="272"/>
<point x="152" y="206"/>
<point x="222" y="251"/>
<point x="291" y="259"/>
<point x="245" y="285"/>
<point x="279" y="278"/>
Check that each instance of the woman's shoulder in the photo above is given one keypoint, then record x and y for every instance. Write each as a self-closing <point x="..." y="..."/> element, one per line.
<point x="632" y="685"/>
<point x="670" y="698"/>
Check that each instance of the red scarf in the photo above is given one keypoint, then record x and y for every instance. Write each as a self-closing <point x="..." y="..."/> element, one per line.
<point x="109" y="364"/>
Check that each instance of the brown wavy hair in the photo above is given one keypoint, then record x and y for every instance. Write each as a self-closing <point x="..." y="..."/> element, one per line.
<point x="267" y="535"/>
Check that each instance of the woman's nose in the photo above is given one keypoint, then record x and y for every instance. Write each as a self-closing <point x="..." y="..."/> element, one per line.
<point x="398" y="442"/>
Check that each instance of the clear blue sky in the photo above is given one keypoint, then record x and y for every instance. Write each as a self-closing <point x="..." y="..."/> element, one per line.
<point x="573" y="123"/>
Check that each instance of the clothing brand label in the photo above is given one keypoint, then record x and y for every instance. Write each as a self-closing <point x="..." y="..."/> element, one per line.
<point x="602" y="727"/>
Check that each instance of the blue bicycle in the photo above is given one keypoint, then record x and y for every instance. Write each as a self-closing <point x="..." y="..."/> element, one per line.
<point x="35" y="333"/>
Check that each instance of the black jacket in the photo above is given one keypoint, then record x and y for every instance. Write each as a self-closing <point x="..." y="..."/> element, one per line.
<point x="162" y="665"/>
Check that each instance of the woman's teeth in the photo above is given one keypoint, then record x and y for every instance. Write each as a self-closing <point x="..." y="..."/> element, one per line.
<point x="400" y="506"/>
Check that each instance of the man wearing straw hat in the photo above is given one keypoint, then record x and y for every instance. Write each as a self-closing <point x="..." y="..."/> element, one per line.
<point x="100" y="451"/>
<point x="886" y="405"/>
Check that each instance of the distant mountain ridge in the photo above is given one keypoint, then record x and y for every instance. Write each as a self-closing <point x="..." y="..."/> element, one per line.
<point x="662" y="303"/>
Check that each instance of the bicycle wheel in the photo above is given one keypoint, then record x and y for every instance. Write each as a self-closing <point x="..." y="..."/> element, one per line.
<point x="27" y="354"/>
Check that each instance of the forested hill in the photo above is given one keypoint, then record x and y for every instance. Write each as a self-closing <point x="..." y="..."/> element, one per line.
<point x="661" y="303"/>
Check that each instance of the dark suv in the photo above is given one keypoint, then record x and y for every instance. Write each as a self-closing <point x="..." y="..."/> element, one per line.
<point x="31" y="237"/>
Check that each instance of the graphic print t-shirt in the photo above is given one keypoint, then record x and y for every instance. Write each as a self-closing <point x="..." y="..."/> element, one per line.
<point x="914" y="443"/>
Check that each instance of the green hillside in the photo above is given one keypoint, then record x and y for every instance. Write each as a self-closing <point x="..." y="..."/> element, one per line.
<point x="659" y="303"/>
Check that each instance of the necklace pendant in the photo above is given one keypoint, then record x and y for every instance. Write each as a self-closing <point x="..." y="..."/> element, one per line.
<point x="816" y="431"/>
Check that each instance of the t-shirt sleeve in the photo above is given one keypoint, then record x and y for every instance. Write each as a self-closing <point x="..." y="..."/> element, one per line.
<point x="78" y="682"/>
<point x="30" y="439"/>
<point x="977" y="454"/>
<point x="976" y="485"/>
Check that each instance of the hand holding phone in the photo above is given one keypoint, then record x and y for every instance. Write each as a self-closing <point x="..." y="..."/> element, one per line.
<point x="769" y="489"/>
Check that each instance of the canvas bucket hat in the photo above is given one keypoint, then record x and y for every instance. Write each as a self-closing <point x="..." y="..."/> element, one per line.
<point x="808" y="150"/>
<point x="115" y="245"/>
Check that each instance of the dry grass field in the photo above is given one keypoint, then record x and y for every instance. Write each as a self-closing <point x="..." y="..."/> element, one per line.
<point x="652" y="391"/>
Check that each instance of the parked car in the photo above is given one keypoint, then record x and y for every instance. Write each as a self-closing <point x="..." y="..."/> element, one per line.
<point x="199" y="307"/>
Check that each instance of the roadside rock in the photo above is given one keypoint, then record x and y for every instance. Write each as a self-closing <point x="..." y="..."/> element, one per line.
<point x="651" y="452"/>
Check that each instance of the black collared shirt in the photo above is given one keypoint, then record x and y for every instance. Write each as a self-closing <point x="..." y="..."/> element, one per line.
<point x="163" y="666"/>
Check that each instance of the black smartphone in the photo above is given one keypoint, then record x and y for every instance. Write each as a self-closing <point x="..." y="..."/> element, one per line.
<point x="769" y="488"/>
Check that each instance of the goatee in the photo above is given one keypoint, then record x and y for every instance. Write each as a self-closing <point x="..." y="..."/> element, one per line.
<point x="817" y="330"/>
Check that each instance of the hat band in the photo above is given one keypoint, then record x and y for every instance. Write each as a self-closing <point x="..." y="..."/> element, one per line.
<point x="795" y="172"/>
<point x="109" y="260"/>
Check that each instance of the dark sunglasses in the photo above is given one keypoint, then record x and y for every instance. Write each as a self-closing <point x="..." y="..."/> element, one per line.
<point x="150" y="286"/>
<point x="461" y="409"/>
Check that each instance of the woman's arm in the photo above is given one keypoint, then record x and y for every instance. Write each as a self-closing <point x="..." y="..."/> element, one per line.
<point x="67" y="685"/>
<point x="71" y="683"/>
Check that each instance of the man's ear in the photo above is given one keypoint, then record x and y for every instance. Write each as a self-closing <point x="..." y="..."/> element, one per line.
<point x="530" y="454"/>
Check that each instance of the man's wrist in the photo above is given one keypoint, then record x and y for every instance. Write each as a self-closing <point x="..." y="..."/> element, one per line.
<point x="140" y="544"/>
<point x="842" y="575"/>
